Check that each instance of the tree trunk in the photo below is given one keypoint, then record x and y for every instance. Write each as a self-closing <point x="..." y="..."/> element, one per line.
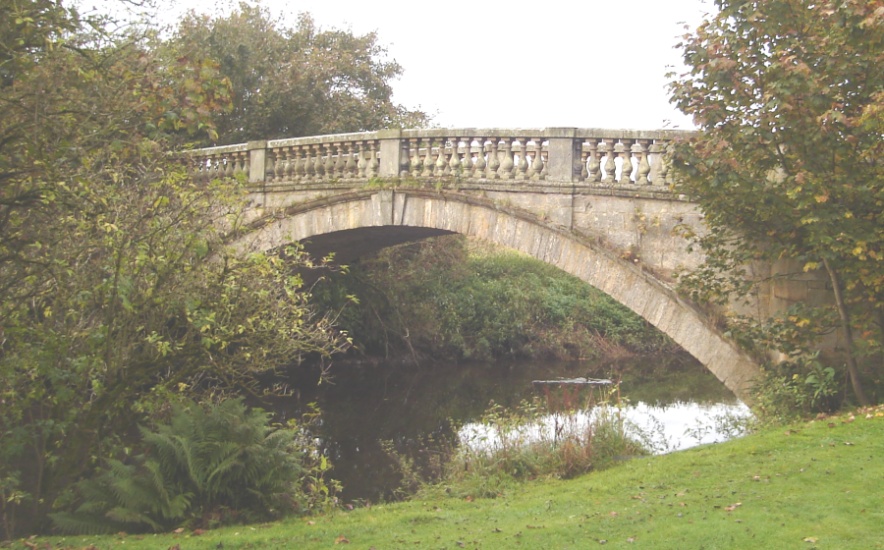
<point x="852" y="369"/>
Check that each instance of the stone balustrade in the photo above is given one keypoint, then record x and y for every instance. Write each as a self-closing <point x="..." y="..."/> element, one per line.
<point x="591" y="157"/>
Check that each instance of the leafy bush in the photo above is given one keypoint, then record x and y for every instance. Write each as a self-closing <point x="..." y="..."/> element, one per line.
<point x="210" y="464"/>
<point x="799" y="387"/>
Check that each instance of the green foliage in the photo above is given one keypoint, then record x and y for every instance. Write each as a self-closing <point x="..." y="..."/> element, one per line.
<point x="208" y="465"/>
<point x="294" y="81"/>
<point x="116" y="288"/>
<point x="790" y="102"/>
<point x="439" y="298"/>
<point x="799" y="387"/>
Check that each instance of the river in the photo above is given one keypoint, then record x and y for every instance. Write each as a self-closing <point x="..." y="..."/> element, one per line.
<point x="674" y="401"/>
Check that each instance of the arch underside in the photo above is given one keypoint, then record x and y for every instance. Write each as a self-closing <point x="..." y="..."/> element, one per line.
<point x="385" y="217"/>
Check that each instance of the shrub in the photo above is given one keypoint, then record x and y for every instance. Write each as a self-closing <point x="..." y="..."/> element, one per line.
<point x="210" y="464"/>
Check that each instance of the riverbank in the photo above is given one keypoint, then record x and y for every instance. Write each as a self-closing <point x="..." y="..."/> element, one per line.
<point x="809" y="485"/>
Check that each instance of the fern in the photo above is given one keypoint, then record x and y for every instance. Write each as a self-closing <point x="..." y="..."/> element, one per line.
<point x="204" y="461"/>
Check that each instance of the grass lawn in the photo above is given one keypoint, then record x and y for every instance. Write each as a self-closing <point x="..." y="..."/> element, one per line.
<point x="812" y="485"/>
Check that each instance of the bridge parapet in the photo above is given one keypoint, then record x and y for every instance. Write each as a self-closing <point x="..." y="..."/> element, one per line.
<point x="585" y="156"/>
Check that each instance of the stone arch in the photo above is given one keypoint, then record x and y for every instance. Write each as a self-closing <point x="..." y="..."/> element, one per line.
<point x="431" y="212"/>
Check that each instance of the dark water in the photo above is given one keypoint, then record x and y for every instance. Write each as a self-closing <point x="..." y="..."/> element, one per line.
<point x="415" y="408"/>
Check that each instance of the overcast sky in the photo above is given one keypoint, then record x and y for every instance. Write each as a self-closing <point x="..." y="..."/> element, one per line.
<point x="518" y="64"/>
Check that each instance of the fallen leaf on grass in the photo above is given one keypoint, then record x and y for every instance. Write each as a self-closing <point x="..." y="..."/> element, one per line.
<point x="342" y="540"/>
<point x="811" y="539"/>
<point x="733" y="507"/>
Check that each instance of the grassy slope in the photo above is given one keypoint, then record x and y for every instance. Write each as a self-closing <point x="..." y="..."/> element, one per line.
<point x="815" y="485"/>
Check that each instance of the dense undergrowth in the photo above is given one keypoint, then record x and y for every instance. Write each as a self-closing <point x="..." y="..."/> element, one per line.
<point x="454" y="299"/>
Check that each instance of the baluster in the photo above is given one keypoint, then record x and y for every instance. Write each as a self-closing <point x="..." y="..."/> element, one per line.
<point x="350" y="165"/>
<point x="664" y="169"/>
<point x="480" y="164"/>
<point x="272" y="163"/>
<point x="522" y="166"/>
<point x="507" y="164"/>
<point x="374" y="163"/>
<point x="309" y="163"/>
<point x="610" y="166"/>
<point x="644" y="167"/>
<point x="626" y="165"/>
<point x="197" y="168"/>
<point x="655" y="154"/>
<point x="544" y="160"/>
<point x="535" y="167"/>
<point x="362" y="163"/>
<point x="289" y="168"/>
<point x="468" y="162"/>
<point x="336" y="152"/>
<point x="584" y="159"/>
<point x="404" y="161"/>
<point x="494" y="159"/>
<point x="441" y="162"/>
<point x="297" y="165"/>
<point x="240" y="168"/>
<point x="318" y="163"/>
<point x="213" y="168"/>
<point x="593" y="169"/>
<point x="454" y="166"/>
<point x="237" y="159"/>
<point x="414" y="161"/>
<point x="328" y="162"/>
<point x="428" y="159"/>
<point x="279" y="164"/>
<point x="208" y="168"/>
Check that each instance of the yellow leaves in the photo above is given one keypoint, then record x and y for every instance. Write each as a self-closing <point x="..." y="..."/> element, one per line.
<point x="800" y="322"/>
<point x="811" y="266"/>
<point x="860" y="250"/>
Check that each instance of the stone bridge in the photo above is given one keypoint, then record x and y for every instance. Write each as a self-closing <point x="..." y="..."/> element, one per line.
<point x="595" y="203"/>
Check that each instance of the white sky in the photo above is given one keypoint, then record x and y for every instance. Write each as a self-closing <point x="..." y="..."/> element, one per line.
<point x="517" y="64"/>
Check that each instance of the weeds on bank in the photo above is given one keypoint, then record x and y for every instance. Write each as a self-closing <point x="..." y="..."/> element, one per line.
<point x="561" y="434"/>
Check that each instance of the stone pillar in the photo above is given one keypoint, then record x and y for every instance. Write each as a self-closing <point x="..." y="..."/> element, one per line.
<point x="257" y="161"/>
<point x="563" y="155"/>
<point x="390" y="153"/>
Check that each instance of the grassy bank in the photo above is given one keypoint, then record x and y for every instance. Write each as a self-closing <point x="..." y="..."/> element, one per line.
<point x="812" y="485"/>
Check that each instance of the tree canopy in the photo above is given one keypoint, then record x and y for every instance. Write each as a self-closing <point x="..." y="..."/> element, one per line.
<point x="294" y="81"/>
<point x="789" y="98"/>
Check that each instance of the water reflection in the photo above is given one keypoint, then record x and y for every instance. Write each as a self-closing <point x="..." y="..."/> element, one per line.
<point x="416" y="407"/>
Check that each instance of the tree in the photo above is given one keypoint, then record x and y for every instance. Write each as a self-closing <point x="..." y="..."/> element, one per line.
<point x="290" y="82"/>
<point x="789" y="98"/>
<point x="117" y="294"/>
